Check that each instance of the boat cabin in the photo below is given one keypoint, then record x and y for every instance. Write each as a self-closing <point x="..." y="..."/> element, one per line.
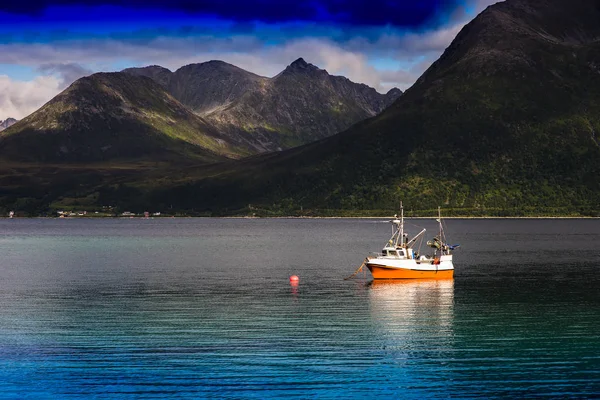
<point x="398" y="252"/>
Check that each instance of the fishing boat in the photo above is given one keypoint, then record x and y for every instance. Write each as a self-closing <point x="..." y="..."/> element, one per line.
<point x="401" y="258"/>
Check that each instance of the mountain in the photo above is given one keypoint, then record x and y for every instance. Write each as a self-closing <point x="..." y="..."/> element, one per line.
<point x="300" y="105"/>
<point x="506" y="122"/>
<point x="114" y="116"/>
<point x="6" y="123"/>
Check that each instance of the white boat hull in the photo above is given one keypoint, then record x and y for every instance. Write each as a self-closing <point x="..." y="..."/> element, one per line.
<point x="398" y="268"/>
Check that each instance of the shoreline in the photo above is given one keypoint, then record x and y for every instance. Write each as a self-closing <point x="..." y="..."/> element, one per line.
<point x="303" y="217"/>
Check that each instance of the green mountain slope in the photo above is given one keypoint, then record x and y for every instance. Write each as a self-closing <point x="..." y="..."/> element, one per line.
<point x="301" y="104"/>
<point x="113" y="116"/>
<point x="505" y="122"/>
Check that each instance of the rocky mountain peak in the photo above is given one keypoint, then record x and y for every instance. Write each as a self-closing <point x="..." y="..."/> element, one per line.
<point x="299" y="63"/>
<point x="394" y="92"/>
<point x="154" y="67"/>
<point x="6" y="123"/>
<point x="302" y="66"/>
<point x="503" y="37"/>
<point x="215" y="63"/>
<point x="156" y="72"/>
<point x="212" y="66"/>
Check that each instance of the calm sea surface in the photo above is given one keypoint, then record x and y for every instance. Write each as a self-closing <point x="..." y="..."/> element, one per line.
<point x="129" y="308"/>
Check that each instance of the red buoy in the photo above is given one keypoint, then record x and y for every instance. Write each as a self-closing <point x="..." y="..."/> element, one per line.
<point x="294" y="278"/>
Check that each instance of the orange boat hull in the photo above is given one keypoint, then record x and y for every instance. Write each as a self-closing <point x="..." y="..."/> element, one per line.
<point x="380" y="272"/>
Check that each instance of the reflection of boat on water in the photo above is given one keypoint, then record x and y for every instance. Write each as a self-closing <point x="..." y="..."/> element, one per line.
<point x="399" y="260"/>
<point x="413" y="293"/>
<point x="413" y="312"/>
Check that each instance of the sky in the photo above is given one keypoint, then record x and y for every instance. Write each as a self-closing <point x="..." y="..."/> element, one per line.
<point x="46" y="45"/>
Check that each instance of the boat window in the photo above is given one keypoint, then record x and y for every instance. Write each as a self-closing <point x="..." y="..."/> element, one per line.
<point x="400" y="252"/>
<point x="392" y="253"/>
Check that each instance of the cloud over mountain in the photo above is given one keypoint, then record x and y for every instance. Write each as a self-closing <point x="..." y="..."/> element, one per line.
<point x="20" y="98"/>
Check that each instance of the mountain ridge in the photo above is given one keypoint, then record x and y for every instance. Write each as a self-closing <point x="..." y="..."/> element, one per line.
<point x="269" y="114"/>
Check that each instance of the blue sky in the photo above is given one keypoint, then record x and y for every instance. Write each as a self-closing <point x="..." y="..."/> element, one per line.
<point x="46" y="45"/>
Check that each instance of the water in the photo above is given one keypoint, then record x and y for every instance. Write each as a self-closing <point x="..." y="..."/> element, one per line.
<point x="202" y="308"/>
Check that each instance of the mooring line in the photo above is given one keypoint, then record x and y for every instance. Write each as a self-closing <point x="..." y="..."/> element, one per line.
<point x="358" y="270"/>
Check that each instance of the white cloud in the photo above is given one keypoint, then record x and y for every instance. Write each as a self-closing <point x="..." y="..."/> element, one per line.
<point x="20" y="98"/>
<point x="431" y="41"/>
<point x="67" y="72"/>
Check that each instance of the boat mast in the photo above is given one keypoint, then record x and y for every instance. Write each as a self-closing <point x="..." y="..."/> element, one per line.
<point x="441" y="236"/>
<point x="440" y="221"/>
<point x="401" y="224"/>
